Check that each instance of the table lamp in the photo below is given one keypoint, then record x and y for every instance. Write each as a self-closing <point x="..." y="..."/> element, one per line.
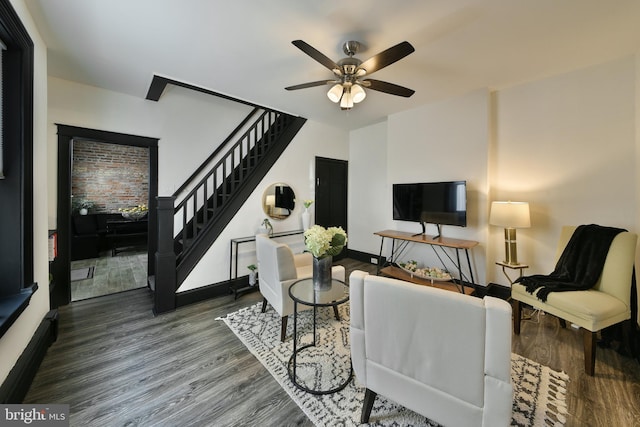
<point x="510" y="215"/>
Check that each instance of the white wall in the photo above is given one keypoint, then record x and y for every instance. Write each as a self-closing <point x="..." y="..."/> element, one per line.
<point x="567" y="145"/>
<point x="18" y="336"/>
<point x="369" y="203"/>
<point x="444" y="141"/>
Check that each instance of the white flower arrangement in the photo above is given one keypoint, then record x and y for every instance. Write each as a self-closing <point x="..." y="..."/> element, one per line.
<point x="322" y="242"/>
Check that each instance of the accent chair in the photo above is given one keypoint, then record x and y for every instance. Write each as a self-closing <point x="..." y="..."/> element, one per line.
<point x="606" y="304"/>
<point x="442" y="354"/>
<point x="278" y="269"/>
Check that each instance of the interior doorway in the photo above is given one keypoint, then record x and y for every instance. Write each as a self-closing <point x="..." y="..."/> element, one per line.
<point x="108" y="250"/>
<point x="61" y="270"/>
<point x="331" y="194"/>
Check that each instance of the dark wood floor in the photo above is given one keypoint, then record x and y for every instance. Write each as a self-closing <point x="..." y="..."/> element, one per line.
<point x="118" y="365"/>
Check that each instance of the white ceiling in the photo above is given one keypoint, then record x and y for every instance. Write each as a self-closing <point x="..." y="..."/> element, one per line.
<point x="243" y="48"/>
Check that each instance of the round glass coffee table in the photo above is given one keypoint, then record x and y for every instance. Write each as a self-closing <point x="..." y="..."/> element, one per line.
<point x="302" y="292"/>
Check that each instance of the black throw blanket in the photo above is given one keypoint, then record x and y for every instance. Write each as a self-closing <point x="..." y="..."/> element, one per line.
<point x="580" y="264"/>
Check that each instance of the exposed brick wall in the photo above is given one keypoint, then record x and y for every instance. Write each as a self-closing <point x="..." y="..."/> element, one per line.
<point x="112" y="176"/>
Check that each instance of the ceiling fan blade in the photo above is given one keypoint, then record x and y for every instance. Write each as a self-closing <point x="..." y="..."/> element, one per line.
<point x="387" y="87"/>
<point x="387" y="57"/>
<point x="310" y="84"/>
<point x="315" y="54"/>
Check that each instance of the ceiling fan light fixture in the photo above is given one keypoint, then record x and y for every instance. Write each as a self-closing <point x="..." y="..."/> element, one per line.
<point x="357" y="93"/>
<point x="346" y="103"/>
<point x="335" y="93"/>
<point x="348" y="85"/>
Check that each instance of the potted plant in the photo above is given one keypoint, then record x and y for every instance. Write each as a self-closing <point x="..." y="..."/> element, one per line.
<point x="82" y="205"/>
<point x="252" y="274"/>
<point x="266" y="227"/>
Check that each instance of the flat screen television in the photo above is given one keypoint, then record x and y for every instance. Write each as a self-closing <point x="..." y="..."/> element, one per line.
<point x="439" y="203"/>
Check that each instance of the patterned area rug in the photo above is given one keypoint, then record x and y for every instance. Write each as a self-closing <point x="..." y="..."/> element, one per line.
<point x="539" y="392"/>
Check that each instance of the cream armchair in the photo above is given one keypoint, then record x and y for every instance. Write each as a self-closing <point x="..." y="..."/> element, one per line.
<point x="441" y="354"/>
<point x="606" y="304"/>
<point x="279" y="268"/>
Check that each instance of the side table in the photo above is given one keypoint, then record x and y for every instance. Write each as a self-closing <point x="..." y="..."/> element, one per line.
<point x="302" y="292"/>
<point x="520" y="267"/>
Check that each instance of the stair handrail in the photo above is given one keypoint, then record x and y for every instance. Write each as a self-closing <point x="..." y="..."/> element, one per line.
<point x="217" y="151"/>
<point x="191" y="204"/>
<point x="221" y="162"/>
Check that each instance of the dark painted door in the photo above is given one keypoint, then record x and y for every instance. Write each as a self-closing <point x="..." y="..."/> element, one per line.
<point x="331" y="194"/>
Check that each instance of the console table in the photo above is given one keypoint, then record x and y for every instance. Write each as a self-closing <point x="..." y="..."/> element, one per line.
<point x="233" y="260"/>
<point x="124" y="234"/>
<point x="405" y="238"/>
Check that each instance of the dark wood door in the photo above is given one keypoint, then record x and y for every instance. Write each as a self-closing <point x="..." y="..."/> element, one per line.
<point x="331" y="194"/>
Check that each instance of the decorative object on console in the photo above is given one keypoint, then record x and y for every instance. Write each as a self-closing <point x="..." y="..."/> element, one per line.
<point x="134" y="213"/>
<point x="510" y="215"/>
<point x="252" y="274"/>
<point x="435" y="274"/>
<point x="82" y="206"/>
<point x="306" y="216"/>
<point x="266" y="227"/>
<point x="324" y="244"/>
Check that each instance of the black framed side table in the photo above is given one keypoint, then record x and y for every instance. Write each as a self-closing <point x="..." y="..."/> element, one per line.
<point x="302" y="292"/>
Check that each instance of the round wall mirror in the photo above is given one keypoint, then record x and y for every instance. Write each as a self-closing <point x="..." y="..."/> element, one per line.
<point x="278" y="201"/>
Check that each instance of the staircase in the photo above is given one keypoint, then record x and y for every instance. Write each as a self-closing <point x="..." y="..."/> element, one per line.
<point x="212" y="198"/>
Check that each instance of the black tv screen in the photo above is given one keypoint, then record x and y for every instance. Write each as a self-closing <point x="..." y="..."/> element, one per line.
<point x="442" y="203"/>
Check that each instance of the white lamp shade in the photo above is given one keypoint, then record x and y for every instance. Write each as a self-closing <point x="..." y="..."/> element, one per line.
<point x="347" y="100"/>
<point x="335" y="93"/>
<point x="358" y="94"/>
<point x="510" y="214"/>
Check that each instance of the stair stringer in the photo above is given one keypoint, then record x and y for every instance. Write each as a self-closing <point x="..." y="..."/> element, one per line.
<point x="192" y="256"/>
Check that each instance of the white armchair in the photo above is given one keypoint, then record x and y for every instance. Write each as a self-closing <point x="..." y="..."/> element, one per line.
<point x="279" y="268"/>
<point x="442" y="354"/>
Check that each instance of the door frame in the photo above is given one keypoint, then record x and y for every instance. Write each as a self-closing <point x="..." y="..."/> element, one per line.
<point x="61" y="292"/>
<point x="344" y="164"/>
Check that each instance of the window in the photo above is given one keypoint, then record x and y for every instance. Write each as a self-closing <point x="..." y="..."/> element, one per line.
<point x="16" y="186"/>
<point x="2" y="49"/>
